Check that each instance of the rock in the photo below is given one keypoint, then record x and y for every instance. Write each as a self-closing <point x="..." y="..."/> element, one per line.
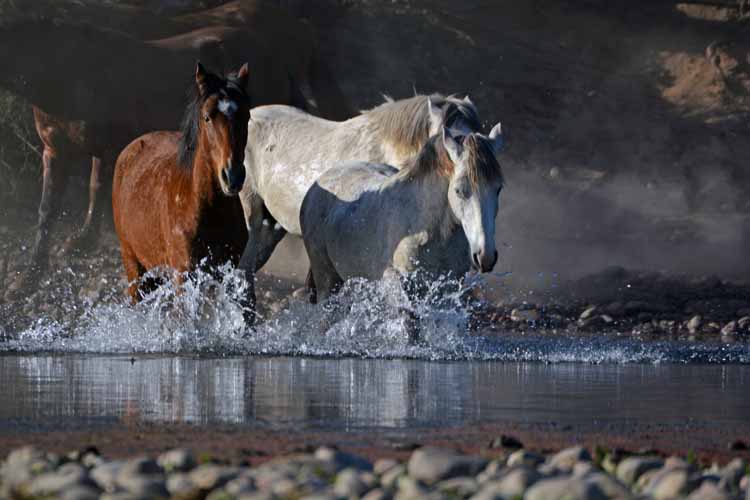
<point x="565" y="460"/>
<point x="240" y="485"/>
<point x="611" y="487"/>
<point x="431" y="465"/>
<point x="581" y="469"/>
<point x="390" y="478"/>
<point x="729" y="329"/>
<point x="377" y="494"/>
<point x="694" y="323"/>
<point x="285" y="488"/>
<point x="121" y="495"/>
<point x="671" y="483"/>
<point x="492" y="471"/>
<point x="594" y="322"/>
<point x="505" y="441"/>
<point x="179" y="460"/>
<point x="384" y="465"/>
<point x="62" y="479"/>
<point x="564" y="488"/>
<point x="79" y="492"/>
<point x="342" y="460"/>
<point x="708" y="491"/>
<point x="349" y="485"/>
<point x="208" y="477"/>
<point x="144" y="486"/>
<point x="523" y="457"/>
<point x="179" y="485"/>
<point x="105" y="475"/>
<point x="524" y="315"/>
<point x="731" y="475"/>
<point x="630" y="469"/>
<point x="20" y="466"/>
<point x="616" y="308"/>
<point x="588" y="312"/>
<point x="510" y="485"/>
<point x="676" y="463"/>
<point x="461" y="487"/>
<point x="139" y="467"/>
<point x="712" y="327"/>
<point x="259" y="495"/>
<point x="409" y="489"/>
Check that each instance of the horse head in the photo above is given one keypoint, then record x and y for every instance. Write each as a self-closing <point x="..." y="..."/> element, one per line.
<point x="223" y="118"/>
<point x="474" y="189"/>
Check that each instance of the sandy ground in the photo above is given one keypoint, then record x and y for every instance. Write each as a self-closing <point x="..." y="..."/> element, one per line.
<point x="236" y="444"/>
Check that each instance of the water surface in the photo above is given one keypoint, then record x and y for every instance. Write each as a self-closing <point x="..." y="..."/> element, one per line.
<point x="73" y="392"/>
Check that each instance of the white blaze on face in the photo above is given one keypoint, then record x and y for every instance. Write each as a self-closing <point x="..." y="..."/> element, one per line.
<point x="228" y="107"/>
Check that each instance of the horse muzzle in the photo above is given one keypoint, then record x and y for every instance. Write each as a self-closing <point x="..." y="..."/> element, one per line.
<point x="233" y="178"/>
<point x="483" y="262"/>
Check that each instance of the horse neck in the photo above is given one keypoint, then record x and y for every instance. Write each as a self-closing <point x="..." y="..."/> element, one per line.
<point x="204" y="184"/>
<point x="426" y="197"/>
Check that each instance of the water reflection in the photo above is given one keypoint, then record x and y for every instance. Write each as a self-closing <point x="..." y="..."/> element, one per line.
<point x="355" y="394"/>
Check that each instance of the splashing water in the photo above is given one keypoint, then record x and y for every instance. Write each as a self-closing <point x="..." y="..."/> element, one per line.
<point x="204" y="317"/>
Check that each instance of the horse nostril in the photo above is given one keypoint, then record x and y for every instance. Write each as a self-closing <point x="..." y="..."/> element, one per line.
<point x="475" y="256"/>
<point x="225" y="176"/>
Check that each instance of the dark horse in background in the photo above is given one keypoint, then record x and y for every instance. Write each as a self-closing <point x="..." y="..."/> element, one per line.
<point x="91" y="93"/>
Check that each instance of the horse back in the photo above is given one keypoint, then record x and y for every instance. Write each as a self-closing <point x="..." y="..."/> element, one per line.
<point x="147" y="182"/>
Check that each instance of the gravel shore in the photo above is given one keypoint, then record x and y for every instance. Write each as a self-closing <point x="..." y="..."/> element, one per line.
<point x="503" y="471"/>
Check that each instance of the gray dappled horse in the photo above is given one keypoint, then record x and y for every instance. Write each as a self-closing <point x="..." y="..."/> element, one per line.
<point x="288" y="149"/>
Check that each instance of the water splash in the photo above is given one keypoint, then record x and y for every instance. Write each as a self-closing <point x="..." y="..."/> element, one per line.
<point x="204" y="317"/>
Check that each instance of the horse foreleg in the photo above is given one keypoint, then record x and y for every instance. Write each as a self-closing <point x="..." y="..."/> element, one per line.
<point x="53" y="181"/>
<point x="312" y="292"/>
<point x="412" y="321"/>
<point x="92" y="222"/>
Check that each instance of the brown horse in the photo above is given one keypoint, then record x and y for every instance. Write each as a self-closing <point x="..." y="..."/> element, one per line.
<point x="174" y="193"/>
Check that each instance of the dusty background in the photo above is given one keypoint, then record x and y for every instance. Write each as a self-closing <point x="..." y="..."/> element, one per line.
<point x="627" y="128"/>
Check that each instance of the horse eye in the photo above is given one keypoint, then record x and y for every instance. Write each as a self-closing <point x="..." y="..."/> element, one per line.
<point x="207" y="118"/>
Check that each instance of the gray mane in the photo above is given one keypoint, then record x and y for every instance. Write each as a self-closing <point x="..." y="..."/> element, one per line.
<point x="406" y="123"/>
<point x="482" y="163"/>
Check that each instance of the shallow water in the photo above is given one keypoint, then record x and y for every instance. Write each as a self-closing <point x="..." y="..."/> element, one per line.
<point x="73" y="392"/>
<point x="187" y="358"/>
<point x="205" y="319"/>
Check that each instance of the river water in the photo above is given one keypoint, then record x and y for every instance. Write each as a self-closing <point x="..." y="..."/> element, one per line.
<point x="187" y="358"/>
<point x="59" y="392"/>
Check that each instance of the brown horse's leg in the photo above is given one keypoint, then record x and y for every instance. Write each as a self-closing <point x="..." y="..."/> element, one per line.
<point x="90" y="229"/>
<point x="134" y="272"/>
<point x="53" y="183"/>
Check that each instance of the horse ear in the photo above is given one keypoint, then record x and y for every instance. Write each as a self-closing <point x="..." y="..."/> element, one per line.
<point x="452" y="145"/>
<point x="496" y="138"/>
<point x="468" y="101"/>
<point x="436" y="116"/>
<point x="201" y="79"/>
<point x="243" y="76"/>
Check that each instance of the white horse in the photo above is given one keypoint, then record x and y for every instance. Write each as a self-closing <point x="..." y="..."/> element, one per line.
<point x="288" y="149"/>
<point x="371" y="220"/>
